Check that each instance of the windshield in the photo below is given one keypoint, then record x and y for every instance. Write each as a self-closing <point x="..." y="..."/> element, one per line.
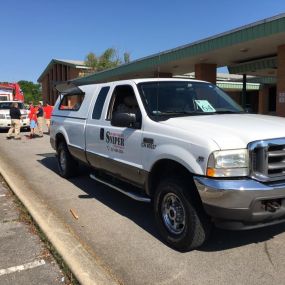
<point x="7" y="105"/>
<point x="184" y="98"/>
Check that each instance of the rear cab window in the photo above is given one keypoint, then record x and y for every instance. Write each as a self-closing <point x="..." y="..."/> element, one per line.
<point x="71" y="102"/>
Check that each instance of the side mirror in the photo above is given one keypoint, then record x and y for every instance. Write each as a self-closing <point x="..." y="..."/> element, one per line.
<point x="126" y="120"/>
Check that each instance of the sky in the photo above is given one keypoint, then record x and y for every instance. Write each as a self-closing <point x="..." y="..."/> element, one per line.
<point x="33" y="32"/>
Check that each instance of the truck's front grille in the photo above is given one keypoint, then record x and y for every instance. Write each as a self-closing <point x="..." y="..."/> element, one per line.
<point x="276" y="160"/>
<point x="268" y="159"/>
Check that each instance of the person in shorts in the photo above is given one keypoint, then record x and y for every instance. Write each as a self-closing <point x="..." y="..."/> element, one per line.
<point x="33" y="124"/>
<point x="47" y="115"/>
<point x="40" y="119"/>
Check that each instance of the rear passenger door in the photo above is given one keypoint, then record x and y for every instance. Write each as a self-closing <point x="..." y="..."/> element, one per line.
<point x="95" y="147"/>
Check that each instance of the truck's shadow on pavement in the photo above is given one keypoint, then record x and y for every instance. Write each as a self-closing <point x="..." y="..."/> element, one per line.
<point x="224" y="239"/>
<point x="142" y="215"/>
<point x="139" y="212"/>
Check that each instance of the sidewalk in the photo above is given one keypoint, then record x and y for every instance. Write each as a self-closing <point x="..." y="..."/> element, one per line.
<point x="22" y="164"/>
<point x="24" y="258"/>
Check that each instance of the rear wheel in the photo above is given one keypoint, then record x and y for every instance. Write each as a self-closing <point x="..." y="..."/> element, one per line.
<point x="179" y="215"/>
<point x="67" y="165"/>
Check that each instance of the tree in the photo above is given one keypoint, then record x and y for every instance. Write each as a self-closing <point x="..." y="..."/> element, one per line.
<point x="108" y="59"/>
<point x="127" y="57"/>
<point x="91" y="60"/>
<point x="32" y="91"/>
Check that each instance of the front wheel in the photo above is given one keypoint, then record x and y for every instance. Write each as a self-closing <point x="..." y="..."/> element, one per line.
<point x="179" y="215"/>
<point x="67" y="165"/>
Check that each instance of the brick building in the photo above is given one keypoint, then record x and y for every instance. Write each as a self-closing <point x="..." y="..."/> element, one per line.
<point x="59" y="71"/>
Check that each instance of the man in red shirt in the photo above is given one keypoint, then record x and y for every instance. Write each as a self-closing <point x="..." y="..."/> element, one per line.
<point x="31" y="110"/>
<point x="47" y="114"/>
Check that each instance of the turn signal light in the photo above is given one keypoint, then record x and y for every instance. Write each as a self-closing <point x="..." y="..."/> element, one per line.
<point x="211" y="172"/>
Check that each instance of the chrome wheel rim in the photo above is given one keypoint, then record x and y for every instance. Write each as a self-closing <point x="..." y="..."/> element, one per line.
<point x="62" y="160"/>
<point x="173" y="213"/>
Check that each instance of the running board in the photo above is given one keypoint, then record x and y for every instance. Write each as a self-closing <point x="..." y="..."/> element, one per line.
<point x="132" y="195"/>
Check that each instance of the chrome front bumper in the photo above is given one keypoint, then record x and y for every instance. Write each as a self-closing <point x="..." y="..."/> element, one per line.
<point x="242" y="203"/>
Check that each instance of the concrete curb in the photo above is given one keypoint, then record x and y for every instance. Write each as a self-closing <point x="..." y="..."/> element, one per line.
<point x="82" y="264"/>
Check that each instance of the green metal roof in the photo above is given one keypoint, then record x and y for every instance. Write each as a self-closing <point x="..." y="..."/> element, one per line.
<point x="263" y="80"/>
<point x="255" y="65"/>
<point x="237" y="85"/>
<point x="261" y="29"/>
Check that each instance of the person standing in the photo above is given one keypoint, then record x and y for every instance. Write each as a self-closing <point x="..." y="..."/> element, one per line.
<point x="47" y="114"/>
<point x="31" y="106"/>
<point x="31" y="111"/>
<point x="40" y="118"/>
<point x="33" y="122"/>
<point x="16" y="116"/>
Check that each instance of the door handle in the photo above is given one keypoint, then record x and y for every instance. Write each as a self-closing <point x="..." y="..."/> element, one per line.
<point x="102" y="134"/>
<point x="148" y="140"/>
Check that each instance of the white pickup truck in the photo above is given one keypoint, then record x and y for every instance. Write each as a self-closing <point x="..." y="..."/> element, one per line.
<point x="183" y="145"/>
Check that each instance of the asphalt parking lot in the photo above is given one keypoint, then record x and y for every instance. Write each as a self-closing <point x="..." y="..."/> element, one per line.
<point x="121" y="236"/>
<point x="24" y="258"/>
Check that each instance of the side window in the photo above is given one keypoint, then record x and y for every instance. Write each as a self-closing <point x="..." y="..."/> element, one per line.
<point x="71" y="102"/>
<point x="100" y="103"/>
<point x="124" y="101"/>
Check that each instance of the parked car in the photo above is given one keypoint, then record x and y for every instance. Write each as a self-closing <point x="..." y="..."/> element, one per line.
<point x="5" y="119"/>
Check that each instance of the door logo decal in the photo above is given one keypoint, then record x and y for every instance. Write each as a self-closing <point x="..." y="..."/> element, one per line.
<point x="115" y="142"/>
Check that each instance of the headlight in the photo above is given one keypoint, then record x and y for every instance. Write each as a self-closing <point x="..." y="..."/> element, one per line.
<point x="2" y="116"/>
<point x="228" y="163"/>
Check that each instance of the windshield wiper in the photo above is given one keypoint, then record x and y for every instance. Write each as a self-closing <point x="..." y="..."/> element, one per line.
<point x="159" y="113"/>
<point x="188" y="113"/>
<point x="194" y="113"/>
<point x="227" y="112"/>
